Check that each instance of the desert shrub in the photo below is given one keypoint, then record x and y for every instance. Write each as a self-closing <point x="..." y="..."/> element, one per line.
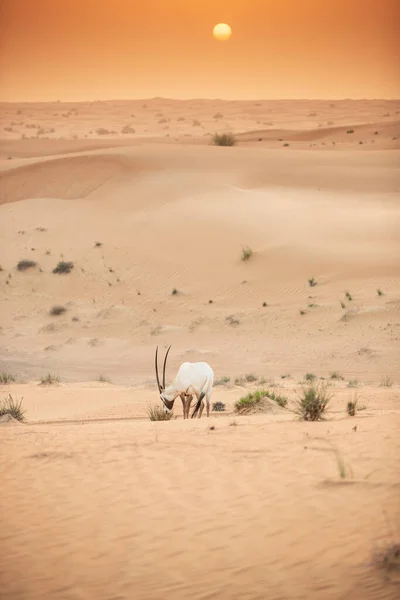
<point x="250" y="378"/>
<point x="349" y="296"/>
<point x="103" y="379"/>
<point x="312" y="282"/>
<point x="379" y="292"/>
<point x="350" y="131"/>
<point x="310" y="377"/>
<point x="312" y="402"/>
<point x="174" y="292"/>
<point x="103" y="131"/>
<point x="353" y="383"/>
<point x="12" y="407"/>
<point x="57" y="310"/>
<point x="247" y="253"/>
<point x="351" y="407"/>
<point x="388" y="558"/>
<point x="336" y="375"/>
<point x="156" y="413"/>
<point x="218" y="406"/>
<point x="49" y="379"/>
<point x="63" y="267"/>
<point x="386" y="382"/>
<point x="224" y="139"/>
<point x="222" y="381"/>
<point x="127" y="129"/>
<point x="23" y="265"/>
<point x="232" y="320"/>
<point x="251" y="400"/>
<point x="6" y="378"/>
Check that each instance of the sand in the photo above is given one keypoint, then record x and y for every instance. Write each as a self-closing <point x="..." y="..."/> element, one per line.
<point x="98" y="502"/>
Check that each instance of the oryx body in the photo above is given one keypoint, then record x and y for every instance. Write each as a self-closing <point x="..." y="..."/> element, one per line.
<point x="192" y="379"/>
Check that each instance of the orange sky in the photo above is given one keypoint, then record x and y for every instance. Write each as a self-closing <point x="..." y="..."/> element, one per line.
<point x="106" y="49"/>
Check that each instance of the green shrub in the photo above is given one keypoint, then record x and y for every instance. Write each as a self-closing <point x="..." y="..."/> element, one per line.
<point x="251" y="400"/>
<point x="312" y="403"/>
<point x="23" y="265"/>
<point x="63" y="267"/>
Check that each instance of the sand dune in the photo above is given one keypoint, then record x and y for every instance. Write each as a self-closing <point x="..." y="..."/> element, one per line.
<point x="98" y="501"/>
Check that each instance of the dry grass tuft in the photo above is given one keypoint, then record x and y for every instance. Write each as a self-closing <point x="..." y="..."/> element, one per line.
<point x="223" y="139"/>
<point x="49" y="379"/>
<point x="12" y="407"/>
<point x="6" y="378"/>
<point x="156" y="413"/>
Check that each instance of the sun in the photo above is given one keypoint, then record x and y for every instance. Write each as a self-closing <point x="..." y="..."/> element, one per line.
<point x="222" y="32"/>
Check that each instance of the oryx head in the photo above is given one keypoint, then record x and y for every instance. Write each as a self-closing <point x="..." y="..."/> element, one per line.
<point x="167" y="404"/>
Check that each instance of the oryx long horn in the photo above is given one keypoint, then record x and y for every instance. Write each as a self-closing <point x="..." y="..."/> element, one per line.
<point x="165" y="363"/>
<point x="158" y="379"/>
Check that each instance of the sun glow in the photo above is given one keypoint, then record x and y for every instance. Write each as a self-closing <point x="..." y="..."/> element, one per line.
<point x="222" y="32"/>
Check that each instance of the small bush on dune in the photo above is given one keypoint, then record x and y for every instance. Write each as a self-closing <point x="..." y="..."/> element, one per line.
<point x="49" y="379"/>
<point x="351" y="407"/>
<point x="57" y="310"/>
<point x="23" y="265"/>
<point x="310" y="377"/>
<point x="312" y="403"/>
<point x="127" y="129"/>
<point x="6" y="378"/>
<point x="251" y="400"/>
<point x="386" y="382"/>
<point x="250" y="378"/>
<point x="103" y="131"/>
<point x="63" y="267"/>
<point x="218" y="406"/>
<point x="247" y="253"/>
<point x="156" y="413"/>
<point x="353" y="383"/>
<point x="388" y="559"/>
<point x="336" y="375"/>
<point x="224" y="139"/>
<point x="222" y="381"/>
<point x="12" y="407"/>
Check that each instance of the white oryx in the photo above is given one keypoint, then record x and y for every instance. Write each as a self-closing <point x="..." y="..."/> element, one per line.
<point x="192" y="379"/>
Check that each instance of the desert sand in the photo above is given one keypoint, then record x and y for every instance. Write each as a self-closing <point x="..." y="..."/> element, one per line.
<point x="99" y="502"/>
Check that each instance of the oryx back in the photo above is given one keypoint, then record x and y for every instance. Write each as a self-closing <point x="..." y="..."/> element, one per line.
<point x="193" y="377"/>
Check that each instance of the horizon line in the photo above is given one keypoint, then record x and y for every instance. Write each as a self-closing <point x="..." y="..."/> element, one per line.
<point x="209" y="99"/>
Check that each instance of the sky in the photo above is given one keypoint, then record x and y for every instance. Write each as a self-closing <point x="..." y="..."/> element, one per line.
<point x="125" y="49"/>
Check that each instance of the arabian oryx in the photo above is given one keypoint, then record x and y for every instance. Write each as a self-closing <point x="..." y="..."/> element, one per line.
<point x="192" y="379"/>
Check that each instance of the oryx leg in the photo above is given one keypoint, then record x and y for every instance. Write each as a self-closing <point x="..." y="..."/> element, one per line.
<point x="183" y="398"/>
<point x="188" y="403"/>
<point x="208" y="404"/>
<point x="201" y="409"/>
